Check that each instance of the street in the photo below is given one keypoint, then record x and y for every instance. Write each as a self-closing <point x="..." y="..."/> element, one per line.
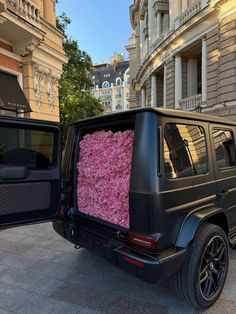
<point x="42" y="273"/>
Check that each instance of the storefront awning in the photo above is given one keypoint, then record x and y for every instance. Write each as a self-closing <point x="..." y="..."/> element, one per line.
<point x="11" y="95"/>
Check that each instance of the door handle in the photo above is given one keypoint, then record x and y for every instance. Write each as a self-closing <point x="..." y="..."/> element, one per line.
<point x="13" y="173"/>
<point x="223" y="194"/>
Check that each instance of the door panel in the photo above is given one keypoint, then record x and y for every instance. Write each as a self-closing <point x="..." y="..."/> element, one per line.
<point x="30" y="157"/>
<point x="223" y="144"/>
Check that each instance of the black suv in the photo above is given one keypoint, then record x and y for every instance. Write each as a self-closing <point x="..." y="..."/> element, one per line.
<point x="182" y="195"/>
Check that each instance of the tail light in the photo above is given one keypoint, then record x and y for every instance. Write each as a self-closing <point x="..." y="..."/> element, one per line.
<point x="142" y="241"/>
<point x="133" y="261"/>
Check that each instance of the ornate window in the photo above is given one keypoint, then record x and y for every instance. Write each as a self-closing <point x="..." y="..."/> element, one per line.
<point x="105" y="84"/>
<point x="118" y="81"/>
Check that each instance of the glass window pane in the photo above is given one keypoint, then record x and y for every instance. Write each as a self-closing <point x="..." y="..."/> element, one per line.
<point x="224" y="148"/>
<point x="26" y="147"/>
<point x="185" y="152"/>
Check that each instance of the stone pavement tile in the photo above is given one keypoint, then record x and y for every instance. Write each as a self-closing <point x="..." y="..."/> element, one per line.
<point x="5" y="311"/>
<point x="106" y="282"/>
<point x="221" y="307"/>
<point x="97" y="300"/>
<point x="229" y="291"/>
<point x="38" y="241"/>
<point x="51" y="269"/>
<point x="3" y="267"/>
<point x="130" y="305"/>
<point x="42" y="254"/>
<point x="13" y="297"/>
<point x="24" y="279"/>
<point x="70" y="258"/>
<point x="62" y="245"/>
<point x="176" y="310"/>
<point x="47" y="285"/>
<point x="232" y="254"/>
<point x="13" y="247"/>
<point x="159" y="293"/>
<point x="88" y="311"/>
<point x="39" y="304"/>
<point x="12" y="236"/>
<point x="17" y="261"/>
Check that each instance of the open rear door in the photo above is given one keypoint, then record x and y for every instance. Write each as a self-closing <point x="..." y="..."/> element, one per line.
<point x="30" y="161"/>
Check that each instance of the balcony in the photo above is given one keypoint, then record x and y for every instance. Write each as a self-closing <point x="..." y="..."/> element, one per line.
<point x="106" y="96"/>
<point x="193" y="103"/>
<point x="193" y="10"/>
<point x="20" y="24"/>
<point x="26" y="9"/>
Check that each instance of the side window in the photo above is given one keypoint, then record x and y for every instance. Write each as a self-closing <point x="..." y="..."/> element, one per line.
<point x="224" y="148"/>
<point x="32" y="149"/>
<point x="185" y="151"/>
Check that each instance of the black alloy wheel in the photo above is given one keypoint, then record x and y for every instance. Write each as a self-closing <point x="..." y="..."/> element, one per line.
<point x="201" y="278"/>
<point x="213" y="268"/>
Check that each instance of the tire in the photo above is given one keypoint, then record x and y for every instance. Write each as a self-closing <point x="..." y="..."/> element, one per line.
<point x="202" y="277"/>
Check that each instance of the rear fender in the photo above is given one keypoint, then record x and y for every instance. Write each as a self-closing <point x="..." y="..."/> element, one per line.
<point x="195" y="219"/>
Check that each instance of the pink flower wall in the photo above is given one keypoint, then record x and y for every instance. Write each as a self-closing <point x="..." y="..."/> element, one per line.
<point x="104" y="175"/>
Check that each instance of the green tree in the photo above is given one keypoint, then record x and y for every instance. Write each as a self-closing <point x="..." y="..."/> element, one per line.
<point x="75" y="86"/>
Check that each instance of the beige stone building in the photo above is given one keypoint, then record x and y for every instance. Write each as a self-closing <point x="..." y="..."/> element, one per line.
<point x="111" y="83"/>
<point x="31" y="58"/>
<point x="183" y="55"/>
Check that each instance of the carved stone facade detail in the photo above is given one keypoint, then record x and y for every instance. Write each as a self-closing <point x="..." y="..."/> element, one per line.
<point x="45" y="77"/>
<point x="40" y="74"/>
<point x="51" y="88"/>
<point x="25" y="48"/>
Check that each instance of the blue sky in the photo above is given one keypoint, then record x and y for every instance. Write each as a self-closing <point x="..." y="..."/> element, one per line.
<point x="101" y="27"/>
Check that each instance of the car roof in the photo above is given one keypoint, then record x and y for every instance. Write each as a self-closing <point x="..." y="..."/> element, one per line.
<point x="177" y="113"/>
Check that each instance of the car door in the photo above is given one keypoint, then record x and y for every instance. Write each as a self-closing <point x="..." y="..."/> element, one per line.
<point x="30" y="157"/>
<point x="224" y="158"/>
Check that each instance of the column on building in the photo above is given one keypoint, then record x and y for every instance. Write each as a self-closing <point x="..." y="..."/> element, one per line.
<point x="164" y="86"/>
<point x="153" y="90"/>
<point x="146" y="34"/>
<point x="151" y="23"/>
<point x="204" y="70"/>
<point x="178" y="80"/>
<point x="143" y="97"/>
<point x="49" y="11"/>
<point x="113" y="97"/>
<point x="161" y="10"/>
<point x="137" y="43"/>
<point x="175" y="9"/>
<point x="159" y="25"/>
<point x="191" y="77"/>
<point x="142" y="39"/>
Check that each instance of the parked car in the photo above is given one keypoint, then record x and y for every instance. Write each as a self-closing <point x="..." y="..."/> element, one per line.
<point x="182" y="194"/>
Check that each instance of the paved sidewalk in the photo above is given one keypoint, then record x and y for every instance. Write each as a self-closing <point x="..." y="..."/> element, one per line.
<point x="42" y="273"/>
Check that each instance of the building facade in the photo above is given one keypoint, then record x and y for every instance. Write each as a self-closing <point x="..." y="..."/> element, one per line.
<point x="183" y="55"/>
<point x="111" y="84"/>
<point x="31" y="54"/>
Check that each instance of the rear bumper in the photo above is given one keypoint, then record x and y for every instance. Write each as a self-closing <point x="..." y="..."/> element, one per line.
<point x="150" y="269"/>
<point x="147" y="267"/>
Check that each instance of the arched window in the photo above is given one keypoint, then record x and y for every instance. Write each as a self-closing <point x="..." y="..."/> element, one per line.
<point x="105" y="84"/>
<point x="118" y="81"/>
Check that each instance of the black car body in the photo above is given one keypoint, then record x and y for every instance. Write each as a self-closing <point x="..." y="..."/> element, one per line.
<point x="183" y="180"/>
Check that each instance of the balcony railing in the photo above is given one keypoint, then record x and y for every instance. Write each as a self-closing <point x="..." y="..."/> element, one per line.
<point x="191" y="103"/>
<point x="194" y="9"/>
<point x="107" y="96"/>
<point x="159" y="40"/>
<point x="26" y="9"/>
